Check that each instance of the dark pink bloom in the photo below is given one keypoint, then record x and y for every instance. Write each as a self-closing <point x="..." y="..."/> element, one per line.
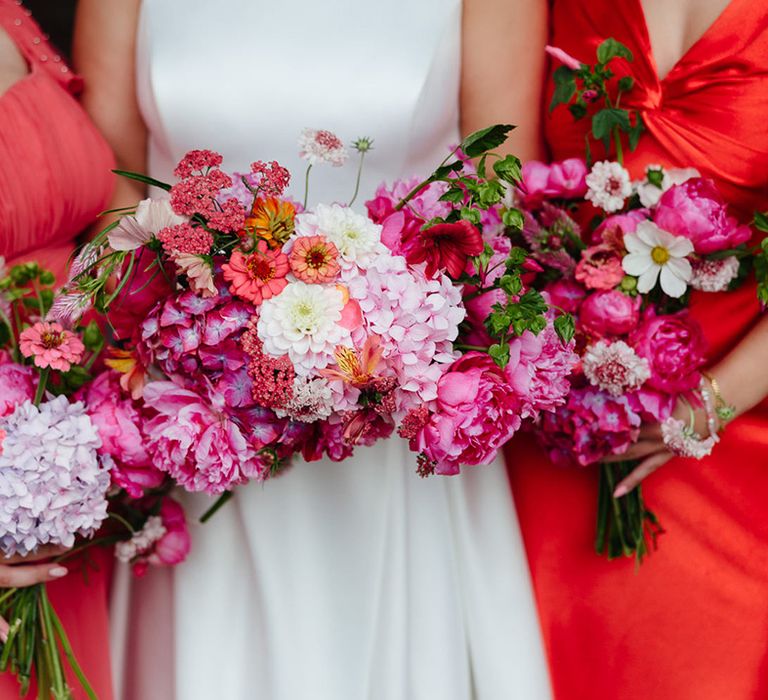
<point x="185" y="238"/>
<point x="565" y="58"/>
<point x="173" y="545"/>
<point x="613" y="228"/>
<point x="563" y="180"/>
<point x="51" y="346"/>
<point x="696" y="210"/>
<point x="231" y="217"/>
<point x="198" y="161"/>
<point x="17" y="384"/>
<point x="443" y="247"/>
<point x="566" y="294"/>
<point x="675" y="348"/>
<point x="609" y="312"/>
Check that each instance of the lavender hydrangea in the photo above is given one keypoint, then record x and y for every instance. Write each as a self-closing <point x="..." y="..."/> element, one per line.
<point x="53" y="483"/>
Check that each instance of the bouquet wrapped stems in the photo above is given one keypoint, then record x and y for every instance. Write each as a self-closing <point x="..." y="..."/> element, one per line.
<point x="625" y="526"/>
<point x="35" y="641"/>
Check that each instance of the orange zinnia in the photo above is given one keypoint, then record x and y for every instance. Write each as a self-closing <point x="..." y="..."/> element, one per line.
<point x="271" y="219"/>
<point x="314" y="259"/>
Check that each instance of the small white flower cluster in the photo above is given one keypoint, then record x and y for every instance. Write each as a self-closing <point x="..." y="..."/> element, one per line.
<point x="714" y="275"/>
<point x="608" y="186"/>
<point x="683" y="441"/>
<point x="142" y="541"/>
<point x="615" y="367"/>
<point x="53" y="483"/>
<point x="312" y="400"/>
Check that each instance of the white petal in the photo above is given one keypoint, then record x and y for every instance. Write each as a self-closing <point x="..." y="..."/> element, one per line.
<point x="128" y="235"/>
<point x="649" y="233"/>
<point x="637" y="263"/>
<point x="647" y="281"/>
<point x="671" y="284"/>
<point x="634" y="245"/>
<point x="681" y="268"/>
<point x="680" y="247"/>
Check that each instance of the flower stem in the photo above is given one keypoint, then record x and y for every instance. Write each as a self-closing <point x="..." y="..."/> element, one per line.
<point x="41" y="384"/>
<point x="357" y="182"/>
<point x="220" y="501"/>
<point x="619" y="149"/>
<point x="306" y="185"/>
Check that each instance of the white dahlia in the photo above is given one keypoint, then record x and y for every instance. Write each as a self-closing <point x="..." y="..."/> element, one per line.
<point x="303" y="323"/>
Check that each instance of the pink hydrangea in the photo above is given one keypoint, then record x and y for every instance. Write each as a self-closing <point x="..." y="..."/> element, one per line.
<point x="475" y="414"/>
<point x="17" y="384"/>
<point x="591" y="426"/>
<point x="696" y="209"/>
<point x="675" y="349"/>
<point x="194" y="440"/>
<point x="119" y="421"/>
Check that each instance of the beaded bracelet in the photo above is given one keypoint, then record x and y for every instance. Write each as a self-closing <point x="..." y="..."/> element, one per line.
<point x="725" y="412"/>
<point x="709" y="408"/>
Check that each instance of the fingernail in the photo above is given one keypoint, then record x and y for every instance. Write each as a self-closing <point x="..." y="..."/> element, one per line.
<point x="58" y="572"/>
<point x="4" y="635"/>
<point x="620" y="491"/>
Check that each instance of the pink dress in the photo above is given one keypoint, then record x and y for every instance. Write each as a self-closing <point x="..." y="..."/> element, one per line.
<point x="54" y="180"/>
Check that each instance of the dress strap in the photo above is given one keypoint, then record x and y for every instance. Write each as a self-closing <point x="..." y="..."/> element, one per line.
<point x="34" y="45"/>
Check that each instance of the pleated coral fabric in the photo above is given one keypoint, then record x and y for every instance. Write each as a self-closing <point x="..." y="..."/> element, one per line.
<point x="692" y="622"/>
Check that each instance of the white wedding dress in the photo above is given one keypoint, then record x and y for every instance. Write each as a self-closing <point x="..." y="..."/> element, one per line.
<point x="351" y="581"/>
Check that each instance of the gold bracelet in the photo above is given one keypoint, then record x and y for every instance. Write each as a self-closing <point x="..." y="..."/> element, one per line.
<point x="725" y="412"/>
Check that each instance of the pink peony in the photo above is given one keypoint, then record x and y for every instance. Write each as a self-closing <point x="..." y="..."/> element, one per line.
<point x="119" y="421"/>
<point x="51" y="346"/>
<point x="17" y="384"/>
<point x="609" y="312"/>
<point x="566" y="294"/>
<point x="475" y="415"/>
<point x="614" y="227"/>
<point x="675" y="348"/>
<point x="193" y="440"/>
<point x="695" y="209"/>
<point x="591" y="426"/>
<point x="164" y="540"/>
<point x="563" y="180"/>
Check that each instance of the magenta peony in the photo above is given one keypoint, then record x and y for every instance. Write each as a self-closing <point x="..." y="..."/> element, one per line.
<point x="696" y="210"/>
<point x="675" y="348"/>
<point x="17" y="384"/>
<point x="563" y="180"/>
<point x="475" y="414"/>
<point x="609" y="312"/>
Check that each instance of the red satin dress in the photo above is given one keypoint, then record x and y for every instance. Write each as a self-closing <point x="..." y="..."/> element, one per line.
<point x="692" y="622"/>
<point x="54" y="180"/>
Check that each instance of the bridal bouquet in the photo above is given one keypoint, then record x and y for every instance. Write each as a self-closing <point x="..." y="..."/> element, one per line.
<point x="626" y="277"/>
<point x="57" y="477"/>
<point x="251" y="328"/>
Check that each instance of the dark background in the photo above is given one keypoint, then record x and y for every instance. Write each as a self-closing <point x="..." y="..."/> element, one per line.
<point x="57" y="18"/>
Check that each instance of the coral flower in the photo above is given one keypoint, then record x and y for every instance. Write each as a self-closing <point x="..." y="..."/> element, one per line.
<point x="271" y="219"/>
<point x="257" y="276"/>
<point x="443" y="247"/>
<point x="51" y="346"/>
<point x="314" y="259"/>
<point x="356" y="367"/>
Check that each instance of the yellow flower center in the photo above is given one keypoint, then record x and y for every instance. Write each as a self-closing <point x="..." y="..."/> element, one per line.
<point x="660" y="255"/>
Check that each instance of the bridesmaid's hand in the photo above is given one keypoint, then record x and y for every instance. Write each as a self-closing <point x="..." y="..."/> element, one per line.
<point x="20" y="572"/>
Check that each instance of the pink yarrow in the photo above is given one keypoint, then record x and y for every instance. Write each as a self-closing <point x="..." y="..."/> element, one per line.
<point x="197" y="161"/>
<point x="185" y="239"/>
<point x="273" y="177"/>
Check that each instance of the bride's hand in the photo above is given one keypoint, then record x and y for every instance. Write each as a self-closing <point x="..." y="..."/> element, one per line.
<point x="20" y="572"/>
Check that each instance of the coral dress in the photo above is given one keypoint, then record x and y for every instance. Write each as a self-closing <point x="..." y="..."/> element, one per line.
<point x="54" y="179"/>
<point x="692" y="623"/>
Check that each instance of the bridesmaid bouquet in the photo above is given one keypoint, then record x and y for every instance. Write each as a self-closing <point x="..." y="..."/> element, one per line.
<point x="58" y="481"/>
<point x="251" y="328"/>
<point x="626" y="276"/>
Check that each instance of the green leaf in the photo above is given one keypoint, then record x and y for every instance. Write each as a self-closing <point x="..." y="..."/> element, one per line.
<point x="611" y="48"/>
<point x="578" y="110"/>
<point x="517" y="256"/>
<point x="636" y="131"/>
<point x="93" y="339"/>
<point x="511" y="284"/>
<point x="508" y="169"/>
<point x="626" y="83"/>
<point x="499" y="354"/>
<point x="565" y="87"/>
<point x="565" y="327"/>
<point x="454" y="195"/>
<point x="471" y="215"/>
<point x="143" y="178"/>
<point x="489" y="193"/>
<point x="485" y="140"/>
<point x="481" y="167"/>
<point x="761" y="222"/>
<point x="606" y="120"/>
<point x="513" y="218"/>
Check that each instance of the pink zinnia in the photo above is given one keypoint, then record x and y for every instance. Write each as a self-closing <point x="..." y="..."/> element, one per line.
<point x="258" y="275"/>
<point x="314" y="259"/>
<point x="51" y="346"/>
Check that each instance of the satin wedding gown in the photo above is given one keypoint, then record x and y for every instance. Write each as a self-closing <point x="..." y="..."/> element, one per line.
<point x="351" y="581"/>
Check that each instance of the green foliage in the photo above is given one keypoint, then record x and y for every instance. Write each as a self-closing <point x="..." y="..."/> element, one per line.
<point x="513" y="218"/>
<point x="565" y="327"/>
<point x="610" y="48"/>
<point x="565" y="86"/>
<point x="143" y="178"/>
<point x="508" y="169"/>
<point x="479" y="142"/>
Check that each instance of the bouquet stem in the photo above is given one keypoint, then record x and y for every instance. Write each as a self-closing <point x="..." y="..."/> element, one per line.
<point x="35" y="642"/>
<point x="625" y="526"/>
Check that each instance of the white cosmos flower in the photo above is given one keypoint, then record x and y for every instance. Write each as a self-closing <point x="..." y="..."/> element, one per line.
<point x="152" y="215"/>
<point x="608" y="185"/>
<point x="650" y="193"/>
<point x="303" y="323"/>
<point x="655" y="253"/>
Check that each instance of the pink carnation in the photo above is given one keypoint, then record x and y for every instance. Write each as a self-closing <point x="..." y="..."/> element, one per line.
<point x="192" y="439"/>
<point x="695" y="209"/>
<point x="674" y="347"/>
<point x="475" y="415"/>
<point x="51" y="346"/>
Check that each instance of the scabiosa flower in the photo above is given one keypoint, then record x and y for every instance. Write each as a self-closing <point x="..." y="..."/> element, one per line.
<point x="271" y="219"/>
<point x="192" y="439"/>
<point x="608" y="186"/>
<point x="51" y="346"/>
<point x="682" y="440"/>
<point x="356" y="237"/>
<point x="273" y="179"/>
<point x="52" y="482"/>
<point x="303" y="323"/>
<point x="321" y="146"/>
<point x="312" y="400"/>
<point x="257" y="276"/>
<point x="653" y="254"/>
<point x="185" y="239"/>
<point x="314" y="259"/>
<point x="714" y="275"/>
<point x="614" y="367"/>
